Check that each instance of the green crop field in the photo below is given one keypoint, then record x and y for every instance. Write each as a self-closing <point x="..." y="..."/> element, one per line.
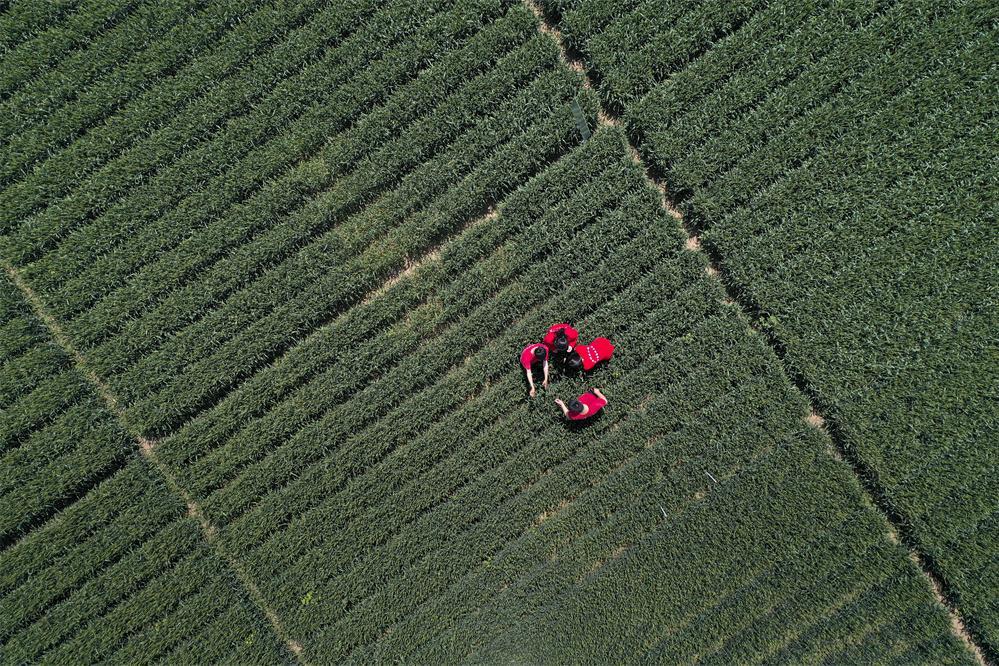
<point x="268" y="267"/>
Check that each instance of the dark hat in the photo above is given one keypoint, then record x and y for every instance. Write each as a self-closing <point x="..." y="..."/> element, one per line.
<point x="561" y="341"/>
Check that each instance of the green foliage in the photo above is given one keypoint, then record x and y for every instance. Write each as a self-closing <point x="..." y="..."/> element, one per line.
<point x="833" y="155"/>
<point x="303" y="244"/>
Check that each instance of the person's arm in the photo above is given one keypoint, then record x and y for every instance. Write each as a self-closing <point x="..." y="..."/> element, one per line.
<point x="600" y="395"/>
<point x="565" y="410"/>
<point x="530" y="380"/>
<point x="545" y="382"/>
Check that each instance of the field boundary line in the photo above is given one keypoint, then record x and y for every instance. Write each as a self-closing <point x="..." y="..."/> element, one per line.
<point x="147" y="447"/>
<point x="866" y="476"/>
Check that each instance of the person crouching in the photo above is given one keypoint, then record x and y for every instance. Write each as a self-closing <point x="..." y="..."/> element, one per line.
<point x="586" y="357"/>
<point x="534" y="359"/>
<point x="584" y="407"/>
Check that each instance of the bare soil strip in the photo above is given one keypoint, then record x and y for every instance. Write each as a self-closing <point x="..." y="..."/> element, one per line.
<point x="147" y="447"/>
<point x="838" y="450"/>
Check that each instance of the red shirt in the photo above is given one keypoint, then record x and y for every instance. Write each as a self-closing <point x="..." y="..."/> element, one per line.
<point x="571" y="334"/>
<point x="594" y="404"/>
<point x="600" y="349"/>
<point x="527" y="356"/>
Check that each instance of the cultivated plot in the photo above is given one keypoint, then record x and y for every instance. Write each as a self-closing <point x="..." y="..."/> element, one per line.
<point x="272" y="265"/>
<point x="837" y="160"/>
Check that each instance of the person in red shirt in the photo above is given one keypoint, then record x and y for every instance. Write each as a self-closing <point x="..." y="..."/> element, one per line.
<point x="561" y="338"/>
<point x="585" y="406"/>
<point x="587" y="356"/>
<point x="534" y="358"/>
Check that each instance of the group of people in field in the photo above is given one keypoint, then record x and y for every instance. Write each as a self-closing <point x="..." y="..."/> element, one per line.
<point x="561" y="346"/>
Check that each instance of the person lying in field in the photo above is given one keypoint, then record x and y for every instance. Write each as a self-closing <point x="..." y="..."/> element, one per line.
<point x="534" y="358"/>
<point x="583" y="407"/>
<point x="586" y="357"/>
<point x="561" y="338"/>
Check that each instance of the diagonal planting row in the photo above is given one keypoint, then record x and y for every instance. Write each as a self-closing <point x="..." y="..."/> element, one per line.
<point x="477" y="507"/>
<point x="367" y="475"/>
<point x="353" y="191"/>
<point x="371" y="439"/>
<point x="172" y="119"/>
<point x="305" y="242"/>
<point x="392" y="385"/>
<point x="35" y="35"/>
<point x="387" y="356"/>
<point x="112" y="18"/>
<point x="343" y="283"/>
<point x="56" y="440"/>
<point x="379" y="332"/>
<point x="24" y="20"/>
<point x="99" y="560"/>
<point x="747" y="522"/>
<point x="92" y="260"/>
<point x="284" y="194"/>
<point x="123" y="576"/>
<point x="834" y="153"/>
<point x="187" y="31"/>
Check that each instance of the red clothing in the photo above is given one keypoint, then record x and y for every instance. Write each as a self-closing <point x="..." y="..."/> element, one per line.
<point x="600" y="349"/>
<point x="594" y="404"/>
<point x="571" y="334"/>
<point x="527" y="356"/>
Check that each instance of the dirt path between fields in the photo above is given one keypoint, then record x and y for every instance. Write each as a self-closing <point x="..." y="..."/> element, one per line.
<point x="815" y="419"/>
<point x="147" y="447"/>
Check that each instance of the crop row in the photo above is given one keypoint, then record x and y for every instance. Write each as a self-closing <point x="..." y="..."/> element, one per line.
<point x="155" y="599"/>
<point x="811" y="110"/>
<point x="44" y="49"/>
<point x="684" y="112"/>
<point x="377" y="354"/>
<point x="90" y="58"/>
<point x="922" y="299"/>
<point x="479" y="499"/>
<point x="406" y="546"/>
<point x="24" y="20"/>
<point x="857" y="258"/>
<point x="187" y="35"/>
<point x="768" y="512"/>
<point x="341" y="222"/>
<point x="59" y="462"/>
<point x="369" y="438"/>
<point x="659" y="44"/>
<point x="52" y="385"/>
<point x="174" y="116"/>
<point x="415" y="372"/>
<point x="78" y="527"/>
<point x="587" y="535"/>
<point x="650" y="442"/>
<point x="424" y="409"/>
<point x="94" y="259"/>
<point x="831" y="153"/>
<point x="38" y="407"/>
<point x="94" y="558"/>
<point x="378" y="506"/>
<point x="505" y="150"/>
<point x="242" y="347"/>
<point x="318" y="295"/>
<point x="56" y="439"/>
<point x="289" y="193"/>
<point x="23" y="372"/>
<point x="579" y="20"/>
<point x="164" y="613"/>
<point x="126" y="555"/>
<point x="478" y="251"/>
<point x="602" y="506"/>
